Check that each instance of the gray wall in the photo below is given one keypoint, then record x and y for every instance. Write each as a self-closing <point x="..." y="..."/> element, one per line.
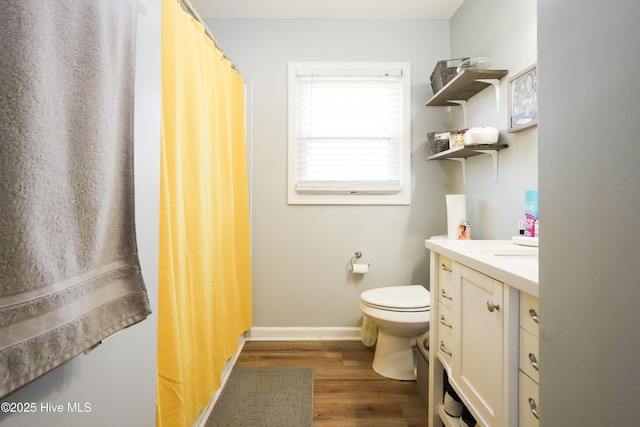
<point x="118" y="378"/>
<point x="301" y="253"/>
<point x="587" y="60"/>
<point x="590" y="202"/>
<point x="505" y="31"/>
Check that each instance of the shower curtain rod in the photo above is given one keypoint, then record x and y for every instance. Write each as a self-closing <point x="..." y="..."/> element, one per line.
<point x="195" y="14"/>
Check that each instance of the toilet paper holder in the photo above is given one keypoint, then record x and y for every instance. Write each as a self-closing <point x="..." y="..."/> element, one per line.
<point x="355" y="257"/>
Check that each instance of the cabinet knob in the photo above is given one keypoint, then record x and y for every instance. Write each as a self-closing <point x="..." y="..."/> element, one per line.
<point x="444" y="322"/>
<point x="444" y="349"/>
<point x="534" y="361"/>
<point x="534" y="315"/>
<point x="492" y="306"/>
<point x="534" y="408"/>
<point x="444" y="268"/>
<point x="443" y="294"/>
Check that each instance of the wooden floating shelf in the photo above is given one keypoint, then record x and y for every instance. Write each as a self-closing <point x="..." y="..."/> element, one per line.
<point x="461" y="153"/>
<point x="465" y="151"/>
<point x="464" y="86"/>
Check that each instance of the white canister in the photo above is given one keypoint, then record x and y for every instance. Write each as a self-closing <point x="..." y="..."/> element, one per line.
<point x="456" y="212"/>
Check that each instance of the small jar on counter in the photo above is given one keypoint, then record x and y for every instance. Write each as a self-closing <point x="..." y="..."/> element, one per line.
<point x="464" y="230"/>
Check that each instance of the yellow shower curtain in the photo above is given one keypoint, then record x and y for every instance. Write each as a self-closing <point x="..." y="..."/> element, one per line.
<point x="205" y="268"/>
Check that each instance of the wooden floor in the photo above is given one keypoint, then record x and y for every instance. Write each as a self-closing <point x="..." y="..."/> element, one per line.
<point x="347" y="392"/>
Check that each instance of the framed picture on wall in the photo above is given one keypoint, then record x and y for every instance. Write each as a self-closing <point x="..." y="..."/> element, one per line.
<point x="523" y="99"/>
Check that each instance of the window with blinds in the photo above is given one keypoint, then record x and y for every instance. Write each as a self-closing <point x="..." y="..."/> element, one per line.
<point x="349" y="133"/>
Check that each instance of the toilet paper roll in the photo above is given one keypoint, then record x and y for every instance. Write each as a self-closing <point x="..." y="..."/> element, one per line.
<point x="360" y="268"/>
<point x="456" y="212"/>
<point x="451" y="406"/>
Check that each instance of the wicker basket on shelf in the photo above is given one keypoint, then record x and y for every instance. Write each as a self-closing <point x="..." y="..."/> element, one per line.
<point x="439" y="141"/>
<point x="444" y="72"/>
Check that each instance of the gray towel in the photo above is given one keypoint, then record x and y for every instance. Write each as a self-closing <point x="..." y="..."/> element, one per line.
<point x="69" y="270"/>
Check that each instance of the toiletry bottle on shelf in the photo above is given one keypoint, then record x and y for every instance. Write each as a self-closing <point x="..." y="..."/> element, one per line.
<point x="531" y="212"/>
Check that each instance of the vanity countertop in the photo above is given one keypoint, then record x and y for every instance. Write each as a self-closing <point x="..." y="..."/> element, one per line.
<point x="512" y="264"/>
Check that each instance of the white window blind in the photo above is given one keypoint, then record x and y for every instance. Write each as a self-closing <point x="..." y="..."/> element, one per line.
<point x="349" y="131"/>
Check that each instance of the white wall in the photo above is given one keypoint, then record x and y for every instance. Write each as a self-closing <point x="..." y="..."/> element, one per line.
<point x="118" y="378"/>
<point x="590" y="201"/>
<point x="301" y="253"/>
<point x="505" y="31"/>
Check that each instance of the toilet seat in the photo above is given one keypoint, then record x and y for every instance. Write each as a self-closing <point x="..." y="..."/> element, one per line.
<point x="410" y="298"/>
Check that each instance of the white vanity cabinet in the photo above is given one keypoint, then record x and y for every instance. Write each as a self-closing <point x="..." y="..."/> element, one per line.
<point x="477" y="342"/>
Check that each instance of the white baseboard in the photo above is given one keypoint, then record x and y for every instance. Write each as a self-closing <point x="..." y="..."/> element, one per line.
<point x="304" y="334"/>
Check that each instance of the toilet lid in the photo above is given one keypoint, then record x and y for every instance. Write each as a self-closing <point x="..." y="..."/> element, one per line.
<point x="402" y="297"/>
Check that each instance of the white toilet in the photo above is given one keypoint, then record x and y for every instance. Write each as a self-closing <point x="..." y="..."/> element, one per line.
<point x="401" y="314"/>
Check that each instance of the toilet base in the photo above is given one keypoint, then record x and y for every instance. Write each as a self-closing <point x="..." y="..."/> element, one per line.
<point x="394" y="357"/>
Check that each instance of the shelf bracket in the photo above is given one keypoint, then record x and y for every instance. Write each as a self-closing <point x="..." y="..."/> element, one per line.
<point x="463" y="163"/>
<point x="494" y="156"/>
<point x="496" y="85"/>
<point x="464" y="108"/>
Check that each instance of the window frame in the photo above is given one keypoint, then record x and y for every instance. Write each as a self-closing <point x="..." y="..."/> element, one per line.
<point x="403" y="197"/>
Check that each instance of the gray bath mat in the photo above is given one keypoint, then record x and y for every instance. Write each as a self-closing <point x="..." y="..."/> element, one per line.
<point x="265" y="397"/>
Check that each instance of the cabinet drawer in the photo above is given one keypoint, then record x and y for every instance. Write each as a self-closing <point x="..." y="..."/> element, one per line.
<point x="529" y="360"/>
<point x="528" y="400"/>
<point x="445" y="333"/>
<point x="529" y="313"/>
<point x="445" y="280"/>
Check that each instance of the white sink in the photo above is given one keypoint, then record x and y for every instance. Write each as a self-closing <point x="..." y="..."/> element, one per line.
<point x="512" y="251"/>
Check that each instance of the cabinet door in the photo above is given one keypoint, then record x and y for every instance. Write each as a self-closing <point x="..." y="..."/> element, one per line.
<point x="478" y="342"/>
